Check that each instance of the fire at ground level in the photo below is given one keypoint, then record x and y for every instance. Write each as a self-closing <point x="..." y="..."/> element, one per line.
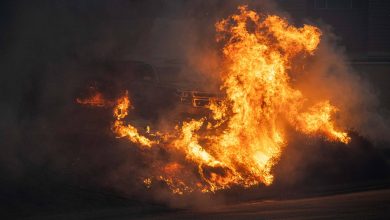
<point x="59" y="164"/>
<point x="49" y="196"/>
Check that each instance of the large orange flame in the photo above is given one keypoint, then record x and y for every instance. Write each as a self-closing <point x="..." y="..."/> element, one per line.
<point x="244" y="137"/>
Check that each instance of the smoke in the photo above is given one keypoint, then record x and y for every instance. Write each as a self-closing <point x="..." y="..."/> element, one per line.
<point x="53" y="48"/>
<point x="329" y="75"/>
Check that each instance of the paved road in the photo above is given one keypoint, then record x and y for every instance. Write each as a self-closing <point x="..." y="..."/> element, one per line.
<point x="358" y="205"/>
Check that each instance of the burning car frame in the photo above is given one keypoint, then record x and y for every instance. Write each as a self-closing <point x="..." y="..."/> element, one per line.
<point x="237" y="136"/>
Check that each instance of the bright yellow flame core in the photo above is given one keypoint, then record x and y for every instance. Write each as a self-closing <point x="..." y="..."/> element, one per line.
<point x="129" y="131"/>
<point x="244" y="138"/>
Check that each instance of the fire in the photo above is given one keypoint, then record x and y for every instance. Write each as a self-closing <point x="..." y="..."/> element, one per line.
<point x="121" y="129"/>
<point x="96" y="100"/>
<point x="121" y="108"/>
<point x="244" y="136"/>
<point x="318" y="118"/>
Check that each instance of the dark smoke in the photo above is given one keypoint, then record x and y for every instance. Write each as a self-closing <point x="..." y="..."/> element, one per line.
<point x="52" y="48"/>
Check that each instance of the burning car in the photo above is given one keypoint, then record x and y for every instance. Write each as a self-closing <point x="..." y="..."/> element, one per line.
<point x="149" y="94"/>
<point x="244" y="136"/>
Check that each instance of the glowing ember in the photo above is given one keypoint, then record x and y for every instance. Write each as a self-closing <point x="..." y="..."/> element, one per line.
<point x="244" y="137"/>
<point x="95" y="100"/>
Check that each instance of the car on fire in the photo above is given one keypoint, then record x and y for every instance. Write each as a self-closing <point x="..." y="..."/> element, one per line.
<point x="151" y="96"/>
